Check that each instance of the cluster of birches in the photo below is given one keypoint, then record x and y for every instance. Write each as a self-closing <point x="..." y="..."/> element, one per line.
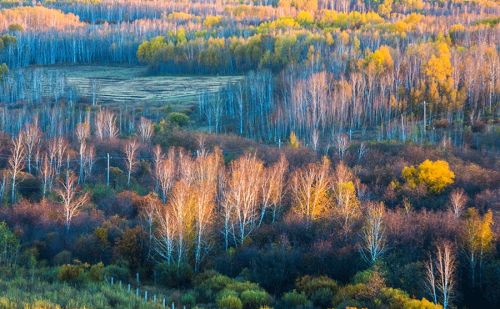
<point x="197" y="202"/>
<point x="317" y="73"/>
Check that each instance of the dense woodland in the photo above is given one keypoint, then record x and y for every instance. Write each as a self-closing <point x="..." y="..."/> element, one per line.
<point x="354" y="164"/>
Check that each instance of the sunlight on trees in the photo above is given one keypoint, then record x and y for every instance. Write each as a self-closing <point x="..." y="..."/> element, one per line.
<point x="435" y="175"/>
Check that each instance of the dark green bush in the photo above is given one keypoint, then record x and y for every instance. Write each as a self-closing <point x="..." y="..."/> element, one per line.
<point x="179" y="119"/>
<point x="295" y="299"/>
<point x="319" y="289"/>
<point x="211" y="284"/>
<point x="62" y="258"/>
<point x="189" y="299"/>
<point x="119" y="273"/>
<point x="253" y="299"/>
<point x="174" y="276"/>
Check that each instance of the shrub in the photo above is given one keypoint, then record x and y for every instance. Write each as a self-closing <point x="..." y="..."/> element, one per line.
<point x="189" y="299"/>
<point x="174" y="276"/>
<point x="319" y="289"/>
<point x="70" y="273"/>
<point x="211" y="285"/>
<point x="179" y="119"/>
<point x="117" y="272"/>
<point x="254" y="299"/>
<point x="242" y="286"/>
<point x="229" y="302"/>
<point x="294" y="299"/>
<point x="63" y="257"/>
<point x="96" y="272"/>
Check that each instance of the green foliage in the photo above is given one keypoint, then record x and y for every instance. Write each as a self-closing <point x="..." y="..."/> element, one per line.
<point x="253" y="299"/>
<point x="16" y="28"/>
<point x="9" y="246"/>
<point x="189" y="299"/>
<point x="229" y="302"/>
<point x="70" y="273"/>
<point x="96" y="272"/>
<point x="320" y="290"/>
<point x="174" y="276"/>
<point x="295" y="299"/>
<point x="119" y="273"/>
<point x="4" y="69"/>
<point x="179" y="119"/>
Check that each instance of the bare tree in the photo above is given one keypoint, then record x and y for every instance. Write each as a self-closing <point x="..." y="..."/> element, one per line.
<point x="131" y="147"/>
<point x="145" y="129"/>
<point x="242" y="195"/>
<point x="166" y="174"/>
<point x="111" y="129"/>
<point x="164" y="234"/>
<point x="440" y="274"/>
<point x="16" y="162"/>
<point x="89" y="161"/>
<point x="445" y="267"/>
<point x="342" y="143"/>
<point x="82" y="133"/>
<point x="32" y="137"/>
<point x="430" y="279"/>
<point x="458" y="200"/>
<point x="157" y="161"/>
<point x="72" y="201"/>
<point x="207" y="168"/>
<point x="273" y="183"/>
<point x="47" y="176"/>
<point x="149" y="208"/>
<point x="373" y="240"/>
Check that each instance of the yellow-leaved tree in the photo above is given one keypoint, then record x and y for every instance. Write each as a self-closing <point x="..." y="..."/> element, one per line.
<point x="435" y="175"/>
<point x="478" y="238"/>
<point x="294" y="141"/>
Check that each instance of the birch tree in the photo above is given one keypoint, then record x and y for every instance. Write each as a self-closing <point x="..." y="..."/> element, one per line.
<point x="16" y="162"/>
<point x="131" y="147"/>
<point x="72" y="200"/>
<point x="145" y="129"/>
<point x="373" y="239"/>
<point x="310" y="187"/>
<point x="32" y="138"/>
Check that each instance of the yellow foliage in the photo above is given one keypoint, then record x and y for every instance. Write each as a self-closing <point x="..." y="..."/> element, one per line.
<point x="479" y="232"/>
<point x="380" y="60"/>
<point x="434" y="175"/>
<point x="211" y="21"/>
<point x="305" y="18"/>
<point x="294" y="141"/>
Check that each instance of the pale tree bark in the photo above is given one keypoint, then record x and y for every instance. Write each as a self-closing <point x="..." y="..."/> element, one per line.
<point x="131" y="147"/>
<point x="458" y="200"/>
<point x="207" y="169"/>
<point x="243" y="191"/>
<point x="373" y="238"/>
<point x="145" y="130"/>
<point x="32" y="138"/>
<point x="72" y="200"/>
<point x="82" y="132"/>
<point x="440" y="274"/>
<point x="16" y="162"/>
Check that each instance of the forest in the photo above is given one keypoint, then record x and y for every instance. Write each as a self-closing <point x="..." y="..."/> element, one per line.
<point x="249" y="154"/>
